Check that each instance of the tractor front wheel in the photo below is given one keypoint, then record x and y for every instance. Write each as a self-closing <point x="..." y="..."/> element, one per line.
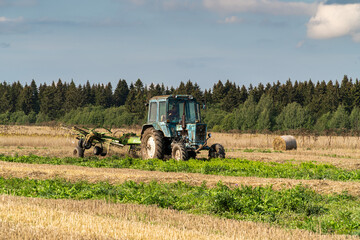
<point x="152" y="144"/>
<point x="216" y="151"/>
<point x="178" y="152"/>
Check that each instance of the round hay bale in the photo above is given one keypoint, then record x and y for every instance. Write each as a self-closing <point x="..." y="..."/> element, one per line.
<point x="284" y="143"/>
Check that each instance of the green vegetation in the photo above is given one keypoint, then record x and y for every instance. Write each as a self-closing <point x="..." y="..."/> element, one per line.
<point x="298" y="207"/>
<point x="304" y="107"/>
<point x="259" y="150"/>
<point x="225" y="167"/>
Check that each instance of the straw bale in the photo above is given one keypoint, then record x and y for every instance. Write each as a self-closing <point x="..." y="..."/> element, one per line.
<point x="284" y="143"/>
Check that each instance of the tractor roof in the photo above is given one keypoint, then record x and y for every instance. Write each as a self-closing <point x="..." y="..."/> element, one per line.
<point x="172" y="96"/>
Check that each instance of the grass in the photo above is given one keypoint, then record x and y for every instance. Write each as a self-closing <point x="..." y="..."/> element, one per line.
<point x="259" y="150"/>
<point x="225" y="167"/>
<point x="298" y="207"/>
<point x="336" y="156"/>
<point x="39" y="218"/>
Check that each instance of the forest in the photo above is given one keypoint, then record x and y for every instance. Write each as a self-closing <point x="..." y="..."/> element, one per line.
<point x="321" y="107"/>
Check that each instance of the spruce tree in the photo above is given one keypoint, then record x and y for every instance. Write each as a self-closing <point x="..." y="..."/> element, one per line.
<point x="121" y="92"/>
<point x="218" y="92"/>
<point x="34" y="97"/>
<point x="108" y="95"/>
<point x="73" y="97"/>
<point x="5" y="104"/>
<point x="25" y="100"/>
<point x="88" y="94"/>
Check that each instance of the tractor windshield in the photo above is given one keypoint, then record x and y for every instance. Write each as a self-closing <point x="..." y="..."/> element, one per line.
<point x="176" y="110"/>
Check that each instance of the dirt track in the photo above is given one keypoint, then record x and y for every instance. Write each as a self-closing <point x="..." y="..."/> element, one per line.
<point x="113" y="176"/>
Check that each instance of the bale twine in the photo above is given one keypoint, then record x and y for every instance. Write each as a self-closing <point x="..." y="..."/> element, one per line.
<point x="284" y="143"/>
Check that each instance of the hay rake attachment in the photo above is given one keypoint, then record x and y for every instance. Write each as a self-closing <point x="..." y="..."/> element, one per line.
<point x="101" y="141"/>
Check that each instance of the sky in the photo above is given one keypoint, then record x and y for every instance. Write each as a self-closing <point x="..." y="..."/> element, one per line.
<point x="169" y="41"/>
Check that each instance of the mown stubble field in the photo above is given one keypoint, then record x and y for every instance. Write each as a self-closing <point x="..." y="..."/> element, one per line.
<point x="64" y="219"/>
<point x="342" y="152"/>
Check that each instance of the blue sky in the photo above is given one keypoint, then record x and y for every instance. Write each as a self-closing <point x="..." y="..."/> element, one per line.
<point x="168" y="41"/>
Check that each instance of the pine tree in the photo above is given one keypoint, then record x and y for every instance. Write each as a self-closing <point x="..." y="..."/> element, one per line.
<point x="218" y="92"/>
<point x="316" y="106"/>
<point x="73" y="97"/>
<point x="88" y="94"/>
<point x="152" y="91"/>
<point x="130" y="100"/>
<point x="197" y="93"/>
<point x="299" y="90"/>
<point x="35" y="106"/>
<point x="181" y="89"/>
<point x="309" y="89"/>
<point x="243" y="94"/>
<point x="121" y="92"/>
<point x="25" y="100"/>
<point x="5" y="104"/>
<point x="356" y="93"/>
<point x="59" y="98"/>
<point x="136" y="100"/>
<point x="345" y="93"/>
<point x="208" y="97"/>
<point x="330" y="101"/>
<point x="108" y="95"/>
<point x="231" y="99"/>
<point x="47" y="104"/>
<point x="100" y="95"/>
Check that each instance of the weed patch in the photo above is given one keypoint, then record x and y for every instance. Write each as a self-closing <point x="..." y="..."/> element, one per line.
<point x="225" y="167"/>
<point x="298" y="207"/>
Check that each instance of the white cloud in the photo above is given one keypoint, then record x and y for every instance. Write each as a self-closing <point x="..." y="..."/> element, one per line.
<point x="335" y="20"/>
<point x="232" y="19"/>
<point x="8" y="20"/>
<point x="356" y="37"/>
<point x="262" y="6"/>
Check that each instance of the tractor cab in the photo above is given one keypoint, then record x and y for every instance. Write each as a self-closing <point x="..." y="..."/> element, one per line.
<point x="174" y="128"/>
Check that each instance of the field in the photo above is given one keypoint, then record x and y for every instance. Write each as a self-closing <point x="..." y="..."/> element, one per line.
<point x="257" y="193"/>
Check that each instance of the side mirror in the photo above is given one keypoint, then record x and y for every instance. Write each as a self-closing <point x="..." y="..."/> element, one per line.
<point x="209" y="135"/>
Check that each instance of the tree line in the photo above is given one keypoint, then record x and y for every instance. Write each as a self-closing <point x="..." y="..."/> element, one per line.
<point x="320" y="106"/>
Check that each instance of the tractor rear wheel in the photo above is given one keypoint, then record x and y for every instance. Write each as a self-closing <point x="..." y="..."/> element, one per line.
<point x="78" y="152"/>
<point x="178" y="152"/>
<point x="216" y="151"/>
<point x="152" y="144"/>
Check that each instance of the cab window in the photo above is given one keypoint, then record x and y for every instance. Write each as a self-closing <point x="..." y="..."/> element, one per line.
<point x="162" y="111"/>
<point x="152" y="114"/>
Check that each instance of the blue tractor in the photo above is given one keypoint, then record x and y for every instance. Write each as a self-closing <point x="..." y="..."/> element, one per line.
<point x="174" y="129"/>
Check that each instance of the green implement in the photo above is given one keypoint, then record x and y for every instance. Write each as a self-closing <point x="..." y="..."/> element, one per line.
<point x="101" y="141"/>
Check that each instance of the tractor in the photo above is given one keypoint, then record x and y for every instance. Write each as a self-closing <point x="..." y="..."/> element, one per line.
<point x="174" y="129"/>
